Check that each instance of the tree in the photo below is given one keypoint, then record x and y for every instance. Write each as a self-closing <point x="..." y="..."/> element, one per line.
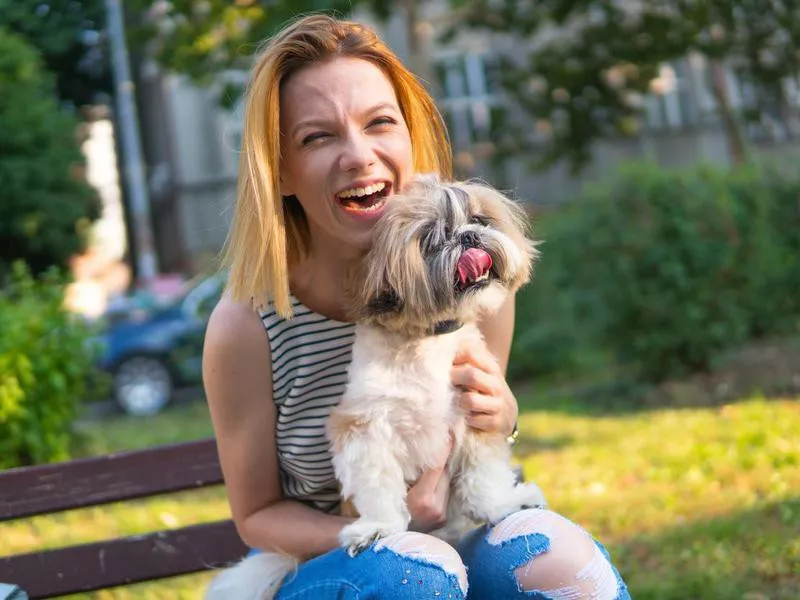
<point x="201" y="38"/>
<point x="68" y="34"/>
<point x="44" y="206"/>
<point x="580" y="67"/>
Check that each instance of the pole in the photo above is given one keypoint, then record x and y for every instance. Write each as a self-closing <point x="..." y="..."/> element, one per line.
<point x="128" y="122"/>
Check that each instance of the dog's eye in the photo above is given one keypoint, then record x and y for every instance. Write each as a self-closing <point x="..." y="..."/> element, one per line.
<point x="386" y="302"/>
<point x="480" y="220"/>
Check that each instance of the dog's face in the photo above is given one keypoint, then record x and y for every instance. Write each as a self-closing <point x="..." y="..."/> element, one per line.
<point x="442" y="251"/>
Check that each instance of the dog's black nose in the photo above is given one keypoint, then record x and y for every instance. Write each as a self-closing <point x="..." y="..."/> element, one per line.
<point x="470" y="239"/>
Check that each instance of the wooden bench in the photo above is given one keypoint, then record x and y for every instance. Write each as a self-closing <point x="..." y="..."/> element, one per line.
<point x="52" y="488"/>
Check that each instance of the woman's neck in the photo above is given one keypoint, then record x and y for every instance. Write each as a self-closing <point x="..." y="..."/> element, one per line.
<point x="318" y="281"/>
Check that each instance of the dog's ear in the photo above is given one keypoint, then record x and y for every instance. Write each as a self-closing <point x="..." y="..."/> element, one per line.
<point x="385" y="302"/>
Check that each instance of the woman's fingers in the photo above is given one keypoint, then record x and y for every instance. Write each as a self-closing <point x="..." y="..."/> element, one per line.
<point x="468" y="377"/>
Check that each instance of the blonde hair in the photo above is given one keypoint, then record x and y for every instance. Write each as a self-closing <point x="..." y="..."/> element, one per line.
<point x="269" y="233"/>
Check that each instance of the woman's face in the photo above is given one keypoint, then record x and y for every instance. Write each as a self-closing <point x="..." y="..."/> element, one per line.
<point x="345" y="148"/>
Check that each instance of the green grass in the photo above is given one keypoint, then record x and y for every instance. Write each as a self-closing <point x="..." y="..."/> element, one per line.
<point x="700" y="503"/>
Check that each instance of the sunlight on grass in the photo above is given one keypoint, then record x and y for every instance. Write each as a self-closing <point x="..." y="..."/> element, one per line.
<point x="700" y="503"/>
<point x="693" y="503"/>
<point x="178" y="424"/>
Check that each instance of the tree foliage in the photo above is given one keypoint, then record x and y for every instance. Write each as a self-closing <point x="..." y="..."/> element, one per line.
<point x="68" y="34"/>
<point x="580" y="67"/>
<point x="43" y="202"/>
<point x="201" y="38"/>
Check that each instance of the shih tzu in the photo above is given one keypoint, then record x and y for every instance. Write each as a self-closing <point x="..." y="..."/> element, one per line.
<point x="443" y="256"/>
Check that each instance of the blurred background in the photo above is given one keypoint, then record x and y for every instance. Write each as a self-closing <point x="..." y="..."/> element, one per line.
<point x="654" y="144"/>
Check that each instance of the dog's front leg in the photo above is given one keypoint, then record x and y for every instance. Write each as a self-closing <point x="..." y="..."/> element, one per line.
<point x="372" y="478"/>
<point x="487" y="487"/>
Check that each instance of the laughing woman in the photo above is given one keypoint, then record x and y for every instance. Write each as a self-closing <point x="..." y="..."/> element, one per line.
<point x="334" y="125"/>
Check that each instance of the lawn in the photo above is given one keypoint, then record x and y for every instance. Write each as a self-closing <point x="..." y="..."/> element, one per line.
<point x="692" y="503"/>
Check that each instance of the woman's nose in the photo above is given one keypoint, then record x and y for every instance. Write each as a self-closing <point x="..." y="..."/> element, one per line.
<point x="357" y="153"/>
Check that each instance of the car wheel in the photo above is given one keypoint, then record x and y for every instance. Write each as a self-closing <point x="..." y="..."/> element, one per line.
<point x="142" y="385"/>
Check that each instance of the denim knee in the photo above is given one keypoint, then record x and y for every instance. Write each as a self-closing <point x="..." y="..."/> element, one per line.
<point x="494" y="557"/>
<point x="491" y="568"/>
<point x="415" y="575"/>
<point x="402" y="567"/>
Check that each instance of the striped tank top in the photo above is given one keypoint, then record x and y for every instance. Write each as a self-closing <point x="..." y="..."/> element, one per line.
<point x="310" y="358"/>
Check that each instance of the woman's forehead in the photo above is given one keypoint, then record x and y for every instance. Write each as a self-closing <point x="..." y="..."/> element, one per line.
<point x="341" y="84"/>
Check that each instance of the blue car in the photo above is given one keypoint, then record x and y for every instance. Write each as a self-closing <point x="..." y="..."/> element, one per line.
<point x="150" y="352"/>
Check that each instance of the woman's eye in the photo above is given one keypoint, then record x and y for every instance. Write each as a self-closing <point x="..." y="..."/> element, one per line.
<point x="312" y="137"/>
<point x="382" y="121"/>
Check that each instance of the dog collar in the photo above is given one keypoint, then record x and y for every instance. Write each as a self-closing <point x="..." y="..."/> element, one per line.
<point x="448" y="326"/>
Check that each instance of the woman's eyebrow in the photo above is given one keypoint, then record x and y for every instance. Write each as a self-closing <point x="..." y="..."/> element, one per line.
<point x="382" y="106"/>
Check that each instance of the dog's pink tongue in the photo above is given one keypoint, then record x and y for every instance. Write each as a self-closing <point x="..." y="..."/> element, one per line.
<point x="473" y="264"/>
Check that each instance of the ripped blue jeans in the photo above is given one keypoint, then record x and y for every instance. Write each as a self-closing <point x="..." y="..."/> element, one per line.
<point x="533" y="554"/>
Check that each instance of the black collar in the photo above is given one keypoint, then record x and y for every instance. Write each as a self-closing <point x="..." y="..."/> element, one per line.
<point x="448" y="326"/>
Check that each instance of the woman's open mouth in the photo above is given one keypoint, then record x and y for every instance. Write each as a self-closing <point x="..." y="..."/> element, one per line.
<point x="364" y="201"/>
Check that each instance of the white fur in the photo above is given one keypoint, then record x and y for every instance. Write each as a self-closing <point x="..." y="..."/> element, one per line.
<point x="394" y="421"/>
<point x="256" y="577"/>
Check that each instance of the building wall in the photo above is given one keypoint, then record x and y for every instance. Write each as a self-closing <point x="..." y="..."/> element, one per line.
<point x="191" y="146"/>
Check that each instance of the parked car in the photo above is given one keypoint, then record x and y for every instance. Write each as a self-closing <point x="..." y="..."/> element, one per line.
<point x="150" y="350"/>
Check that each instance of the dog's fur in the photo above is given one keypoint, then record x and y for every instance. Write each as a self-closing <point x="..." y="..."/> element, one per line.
<point x="400" y="408"/>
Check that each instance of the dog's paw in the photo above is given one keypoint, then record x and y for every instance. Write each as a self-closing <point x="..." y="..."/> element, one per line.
<point x="522" y="496"/>
<point x="360" y="535"/>
<point x="531" y="496"/>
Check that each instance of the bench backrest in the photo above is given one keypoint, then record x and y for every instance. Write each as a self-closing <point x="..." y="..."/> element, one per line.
<point x="57" y="487"/>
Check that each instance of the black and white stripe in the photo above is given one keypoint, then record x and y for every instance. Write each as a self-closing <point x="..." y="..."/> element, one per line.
<point x="310" y="357"/>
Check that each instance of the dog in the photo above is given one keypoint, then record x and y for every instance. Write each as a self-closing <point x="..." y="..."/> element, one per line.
<point x="444" y="255"/>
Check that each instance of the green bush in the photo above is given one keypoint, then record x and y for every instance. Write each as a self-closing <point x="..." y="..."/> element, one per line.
<point x="45" y="207"/>
<point x="662" y="270"/>
<point x="555" y="335"/>
<point x="784" y="193"/>
<point x="670" y="268"/>
<point x="45" y="368"/>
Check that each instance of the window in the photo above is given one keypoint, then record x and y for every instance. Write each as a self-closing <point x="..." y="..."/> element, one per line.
<point x="671" y="105"/>
<point x="471" y="88"/>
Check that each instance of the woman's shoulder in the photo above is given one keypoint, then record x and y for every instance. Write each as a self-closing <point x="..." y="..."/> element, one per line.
<point x="236" y="327"/>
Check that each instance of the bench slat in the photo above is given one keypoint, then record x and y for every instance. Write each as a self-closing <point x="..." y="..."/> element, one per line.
<point x="123" y="561"/>
<point x="56" y="487"/>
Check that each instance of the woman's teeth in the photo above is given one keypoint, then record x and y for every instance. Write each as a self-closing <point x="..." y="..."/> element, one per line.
<point x="362" y="191"/>
<point x="364" y="199"/>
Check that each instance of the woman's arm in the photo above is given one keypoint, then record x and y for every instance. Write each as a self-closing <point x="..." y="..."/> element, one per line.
<point x="480" y="372"/>
<point x="498" y="331"/>
<point x="237" y="376"/>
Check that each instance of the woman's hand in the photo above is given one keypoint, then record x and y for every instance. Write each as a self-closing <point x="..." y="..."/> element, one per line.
<point x="427" y="498"/>
<point x="485" y="397"/>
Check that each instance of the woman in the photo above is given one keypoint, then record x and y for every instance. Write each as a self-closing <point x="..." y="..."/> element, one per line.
<point x="334" y="125"/>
